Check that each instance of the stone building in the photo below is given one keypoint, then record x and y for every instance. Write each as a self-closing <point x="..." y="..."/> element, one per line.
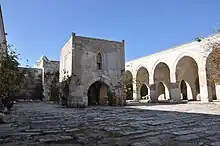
<point x="175" y="74"/>
<point x="96" y="67"/>
<point x="50" y="72"/>
<point x="2" y="34"/>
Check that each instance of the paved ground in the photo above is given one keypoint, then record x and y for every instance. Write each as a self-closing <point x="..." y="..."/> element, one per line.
<point x="169" y="125"/>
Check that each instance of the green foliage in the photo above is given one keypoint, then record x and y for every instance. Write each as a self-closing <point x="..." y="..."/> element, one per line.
<point x="10" y="76"/>
<point x="64" y="90"/>
<point x="128" y="89"/>
<point x="213" y="62"/>
<point x="54" y="87"/>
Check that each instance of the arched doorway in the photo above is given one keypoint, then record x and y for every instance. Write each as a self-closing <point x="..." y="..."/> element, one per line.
<point x="142" y="81"/>
<point x="98" y="94"/>
<point x="144" y="91"/>
<point x="183" y="88"/>
<point x="186" y="92"/>
<point x="162" y="81"/>
<point x="128" y="85"/>
<point x="162" y="92"/>
<point x="187" y="76"/>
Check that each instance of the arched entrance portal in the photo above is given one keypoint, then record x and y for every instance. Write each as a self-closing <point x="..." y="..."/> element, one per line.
<point x="144" y="92"/>
<point x="183" y="90"/>
<point x="142" y="79"/>
<point x="128" y="85"/>
<point x="162" y="81"/>
<point x="162" y="91"/>
<point x="186" y="92"/>
<point x="98" y="94"/>
<point x="187" y="70"/>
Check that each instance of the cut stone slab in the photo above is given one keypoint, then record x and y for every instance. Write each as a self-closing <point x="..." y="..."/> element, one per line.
<point x="72" y="130"/>
<point x="186" y="137"/>
<point x="145" y="135"/>
<point x="215" y="143"/>
<point x="183" y="132"/>
<point x="56" y="138"/>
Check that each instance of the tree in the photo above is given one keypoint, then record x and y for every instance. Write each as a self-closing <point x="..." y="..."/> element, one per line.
<point x="212" y="49"/>
<point x="10" y="76"/>
<point x="53" y="80"/>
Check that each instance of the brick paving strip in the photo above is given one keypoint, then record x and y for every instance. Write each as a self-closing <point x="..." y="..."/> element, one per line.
<point x="170" y="125"/>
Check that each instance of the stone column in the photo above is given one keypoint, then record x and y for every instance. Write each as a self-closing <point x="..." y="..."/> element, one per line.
<point x="175" y="93"/>
<point x="135" y="97"/>
<point x="217" y="88"/>
<point x="153" y="94"/>
<point x="203" y="86"/>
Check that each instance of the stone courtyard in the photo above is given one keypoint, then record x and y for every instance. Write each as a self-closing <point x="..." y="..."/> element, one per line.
<point x="41" y="123"/>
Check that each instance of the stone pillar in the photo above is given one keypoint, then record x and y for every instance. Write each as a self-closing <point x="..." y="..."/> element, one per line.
<point x="203" y="86"/>
<point x="135" y="97"/>
<point x="120" y="96"/>
<point x="217" y="88"/>
<point x="175" y="92"/>
<point x="153" y="93"/>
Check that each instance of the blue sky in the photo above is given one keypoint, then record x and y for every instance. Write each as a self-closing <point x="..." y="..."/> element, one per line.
<point x="37" y="27"/>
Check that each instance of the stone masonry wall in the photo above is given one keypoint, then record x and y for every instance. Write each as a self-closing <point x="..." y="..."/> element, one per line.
<point x="50" y="69"/>
<point x="32" y="86"/>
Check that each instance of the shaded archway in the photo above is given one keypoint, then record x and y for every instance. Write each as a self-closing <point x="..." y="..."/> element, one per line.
<point x="186" y="92"/>
<point x="142" y="77"/>
<point x="162" y="81"/>
<point x="144" y="92"/>
<point x="162" y="92"/>
<point x="98" y="94"/>
<point x="187" y="70"/>
<point x="128" y="85"/>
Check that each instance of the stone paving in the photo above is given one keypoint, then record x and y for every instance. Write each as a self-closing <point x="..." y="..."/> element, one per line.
<point x="158" y="125"/>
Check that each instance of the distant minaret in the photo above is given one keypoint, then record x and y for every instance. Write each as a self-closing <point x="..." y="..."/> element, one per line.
<point x="3" y="41"/>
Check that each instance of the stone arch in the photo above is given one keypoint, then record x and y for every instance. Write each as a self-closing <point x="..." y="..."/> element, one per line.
<point x="142" y="77"/>
<point x="162" y="92"/>
<point x="106" y="92"/>
<point x="99" y="61"/>
<point x="161" y="75"/>
<point x="186" y="91"/>
<point x="155" y="65"/>
<point x="98" y="93"/>
<point x="181" y="56"/>
<point x="187" y="69"/>
<point x="128" y="85"/>
<point x="102" y="79"/>
<point x="144" y="91"/>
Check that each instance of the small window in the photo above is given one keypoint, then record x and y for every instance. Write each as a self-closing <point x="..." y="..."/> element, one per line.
<point x="99" y="61"/>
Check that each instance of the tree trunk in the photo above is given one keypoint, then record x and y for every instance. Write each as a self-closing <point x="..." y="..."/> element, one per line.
<point x="1" y="106"/>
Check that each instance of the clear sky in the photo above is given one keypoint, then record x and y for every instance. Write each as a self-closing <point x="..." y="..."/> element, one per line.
<point x="37" y="27"/>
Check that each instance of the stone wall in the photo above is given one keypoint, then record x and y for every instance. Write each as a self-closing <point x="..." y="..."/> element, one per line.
<point x="81" y="64"/>
<point x="32" y="86"/>
<point x="50" y="73"/>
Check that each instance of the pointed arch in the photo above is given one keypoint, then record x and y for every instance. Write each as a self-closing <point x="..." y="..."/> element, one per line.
<point x="128" y="85"/>
<point x="142" y="77"/>
<point x="99" y="61"/>
<point x="187" y="69"/>
<point x="161" y="78"/>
